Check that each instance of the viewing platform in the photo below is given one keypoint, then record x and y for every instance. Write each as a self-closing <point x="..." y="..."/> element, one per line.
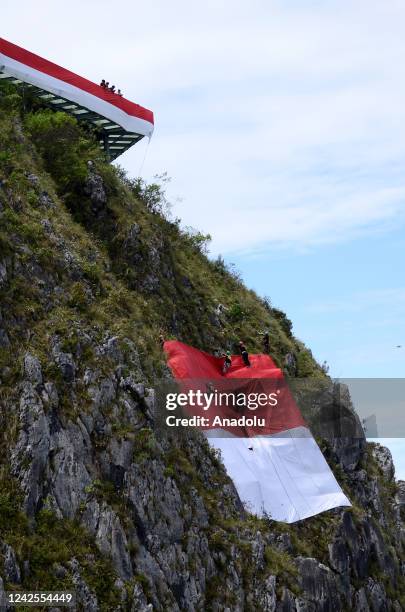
<point x="119" y="123"/>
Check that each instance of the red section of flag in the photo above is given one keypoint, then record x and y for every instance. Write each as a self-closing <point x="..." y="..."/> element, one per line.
<point x="42" y="65"/>
<point x="196" y="370"/>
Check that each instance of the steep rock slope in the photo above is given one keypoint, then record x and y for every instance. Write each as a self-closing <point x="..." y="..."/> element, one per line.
<point x="92" y="495"/>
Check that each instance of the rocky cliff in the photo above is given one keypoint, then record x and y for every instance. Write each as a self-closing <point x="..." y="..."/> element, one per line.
<point x="95" y="498"/>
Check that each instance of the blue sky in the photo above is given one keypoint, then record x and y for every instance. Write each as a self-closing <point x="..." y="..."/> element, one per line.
<point x="346" y="300"/>
<point x="282" y="125"/>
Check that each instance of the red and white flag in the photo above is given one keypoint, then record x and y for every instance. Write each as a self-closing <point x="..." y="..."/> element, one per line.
<point x="273" y="459"/>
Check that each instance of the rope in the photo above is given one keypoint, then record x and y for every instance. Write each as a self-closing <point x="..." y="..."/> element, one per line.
<point x="144" y="157"/>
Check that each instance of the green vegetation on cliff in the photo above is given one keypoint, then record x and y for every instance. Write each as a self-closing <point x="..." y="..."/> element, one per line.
<point x="92" y="269"/>
<point x="140" y="271"/>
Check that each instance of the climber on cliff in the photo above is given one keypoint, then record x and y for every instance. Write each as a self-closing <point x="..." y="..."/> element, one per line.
<point x="245" y="354"/>
<point x="227" y="362"/>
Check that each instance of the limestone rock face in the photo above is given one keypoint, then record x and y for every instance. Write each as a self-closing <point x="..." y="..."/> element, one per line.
<point x="3" y="600"/>
<point x="12" y="572"/>
<point x="105" y="467"/>
<point x="94" y="188"/>
<point x="94" y="493"/>
<point x="384" y="459"/>
<point x="32" y="368"/>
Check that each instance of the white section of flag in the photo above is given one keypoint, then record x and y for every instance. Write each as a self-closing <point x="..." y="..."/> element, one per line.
<point x="75" y="94"/>
<point x="285" y="476"/>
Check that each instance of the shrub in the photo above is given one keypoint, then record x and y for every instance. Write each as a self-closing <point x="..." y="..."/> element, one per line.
<point x="78" y="297"/>
<point x="305" y="364"/>
<point x="62" y="145"/>
<point x="236" y="313"/>
<point x="266" y="301"/>
<point x="219" y="265"/>
<point x="227" y="269"/>
<point x="153" y="195"/>
<point x="9" y="97"/>
<point x="197" y="240"/>
<point x="285" y="323"/>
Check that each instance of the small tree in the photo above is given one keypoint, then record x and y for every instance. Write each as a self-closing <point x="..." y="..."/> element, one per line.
<point x="153" y="194"/>
<point x="305" y="364"/>
<point x="63" y="147"/>
<point x="285" y="323"/>
<point x="236" y="313"/>
<point x="198" y="240"/>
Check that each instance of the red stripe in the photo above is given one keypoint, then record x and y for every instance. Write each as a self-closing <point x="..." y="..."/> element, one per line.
<point x="193" y="369"/>
<point x="42" y="65"/>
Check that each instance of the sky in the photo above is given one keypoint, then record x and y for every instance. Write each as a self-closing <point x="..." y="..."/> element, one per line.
<point x="282" y="127"/>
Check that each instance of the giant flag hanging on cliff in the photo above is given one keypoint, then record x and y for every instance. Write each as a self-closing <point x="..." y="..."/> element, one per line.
<point x="278" y="469"/>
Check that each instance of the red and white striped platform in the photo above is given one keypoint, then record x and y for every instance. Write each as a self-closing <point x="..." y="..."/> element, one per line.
<point x="119" y="122"/>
